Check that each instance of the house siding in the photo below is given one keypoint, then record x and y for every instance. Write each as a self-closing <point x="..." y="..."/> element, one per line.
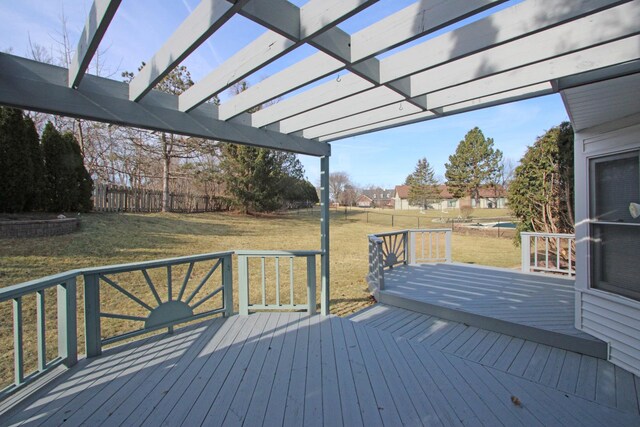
<point x="605" y="315"/>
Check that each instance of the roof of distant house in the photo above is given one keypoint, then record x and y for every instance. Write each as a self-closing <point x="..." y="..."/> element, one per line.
<point x="485" y="192"/>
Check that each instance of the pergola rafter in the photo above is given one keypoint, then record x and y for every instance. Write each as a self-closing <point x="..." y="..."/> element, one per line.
<point x="527" y="49"/>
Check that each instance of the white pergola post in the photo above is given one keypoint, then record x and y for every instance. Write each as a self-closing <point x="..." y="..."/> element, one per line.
<point x="324" y="234"/>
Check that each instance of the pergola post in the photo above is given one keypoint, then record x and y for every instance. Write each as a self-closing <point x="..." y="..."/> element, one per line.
<point x="324" y="234"/>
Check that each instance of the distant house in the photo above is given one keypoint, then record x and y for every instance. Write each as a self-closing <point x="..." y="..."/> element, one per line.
<point x="380" y="198"/>
<point x="364" y="201"/>
<point x="490" y="198"/>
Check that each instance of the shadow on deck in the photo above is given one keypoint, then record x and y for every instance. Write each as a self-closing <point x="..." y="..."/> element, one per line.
<point x="534" y="307"/>
<point x="383" y="366"/>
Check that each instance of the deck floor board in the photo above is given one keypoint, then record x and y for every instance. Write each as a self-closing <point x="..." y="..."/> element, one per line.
<point x="292" y="369"/>
<point x="535" y="300"/>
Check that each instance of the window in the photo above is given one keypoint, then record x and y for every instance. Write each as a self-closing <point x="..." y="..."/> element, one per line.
<point x="451" y="203"/>
<point x="374" y="196"/>
<point x="615" y="234"/>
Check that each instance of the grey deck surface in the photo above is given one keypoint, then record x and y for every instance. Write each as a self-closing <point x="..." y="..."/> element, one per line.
<point x="384" y="366"/>
<point x="543" y="302"/>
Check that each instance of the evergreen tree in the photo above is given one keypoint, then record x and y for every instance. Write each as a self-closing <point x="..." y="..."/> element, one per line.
<point x="474" y="164"/>
<point x="541" y="194"/>
<point x="82" y="188"/>
<point x="251" y="177"/>
<point x="16" y="167"/>
<point x="423" y="186"/>
<point x="68" y="185"/>
<point x="36" y="187"/>
<point x="57" y="170"/>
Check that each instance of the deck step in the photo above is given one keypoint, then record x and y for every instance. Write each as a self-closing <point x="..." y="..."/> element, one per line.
<point x="580" y="344"/>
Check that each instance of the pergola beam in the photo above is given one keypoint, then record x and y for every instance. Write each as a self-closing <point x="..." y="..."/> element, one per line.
<point x="100" y="16"/>
<point x="527" y="79"/>
<point x="289" y="26"/>
<point x="205" y="19"/>
<point x="475" y="104"/>
<point x="526" y="18"/>
<point x="514" y="22"/>
<point x="412" y="22"/>
<point x="42" y="87"/>
<point x="585" y="60"/>
<point x="339" y="88"/>
<point x="339" y="45"/>
<point x="317" y="65"/>
<point x="573" y="36"/>
<point x="364" y="101"/>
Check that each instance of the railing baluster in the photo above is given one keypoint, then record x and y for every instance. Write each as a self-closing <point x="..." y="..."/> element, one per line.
<point x="277" y="280"/>
<point x="311" y="284"/>
<point x="18" y="357"/>
<point x="558" y="252"/>
<point x="93" y="339"/>
<point x="170" y="293"/>
<point x="546" y="252"/>
<point x="185" y="281"/>
<point x="41" y="330"/>
<point x="243" y="284"/>
<point x="447" y="248"/>
<point x="422" y="243"/>
<point x="227" y="283"/>
<point x="437" y="245"/>
<point x="264" y="282"/>
<point x="569" y="249"/>
<point x="169" y="284"/>
<point x="291" y="301"/>
<point x="67" y="322"/>
<point x="535" y="251"/>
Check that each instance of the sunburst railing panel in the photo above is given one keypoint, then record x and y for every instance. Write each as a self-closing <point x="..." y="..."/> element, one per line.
<point x="133" y="299"/>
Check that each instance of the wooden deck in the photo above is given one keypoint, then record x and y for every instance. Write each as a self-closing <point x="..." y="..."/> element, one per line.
<point x="384" y="366"/>
<point x="530" y="306"/>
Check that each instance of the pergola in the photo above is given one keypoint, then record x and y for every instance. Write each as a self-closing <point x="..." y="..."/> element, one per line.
<point x="529" y="49"/>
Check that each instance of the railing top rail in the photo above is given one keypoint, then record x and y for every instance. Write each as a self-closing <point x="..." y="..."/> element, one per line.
<point x="35" y="285"/>
<point x="411" y="230"/>
<point x="390" y="233"/>
<point x="119" y="268"/>
<point x="537" y="234"/>
<point x="272" y="253"/>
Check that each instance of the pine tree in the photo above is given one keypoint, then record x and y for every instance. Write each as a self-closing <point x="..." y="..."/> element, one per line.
<point x="474" y="164"/>
<point x="423" y="186"/>
<point x="16" y="168"/>
<point x="541" y="194"/>
<point x="81" y="188"/>
<point x="36" y="187"/>
<point x="68" y="185"/>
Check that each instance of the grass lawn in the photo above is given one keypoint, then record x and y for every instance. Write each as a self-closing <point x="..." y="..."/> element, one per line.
<point x="122" y="238"/>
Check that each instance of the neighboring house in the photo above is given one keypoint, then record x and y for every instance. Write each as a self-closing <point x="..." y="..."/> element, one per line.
<point x="380" y="198"/>
<point x="364" y="201"/>
<point x="490" y="198"/>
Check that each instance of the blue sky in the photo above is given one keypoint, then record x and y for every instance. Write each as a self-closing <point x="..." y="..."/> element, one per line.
<point x="384" y="158"/>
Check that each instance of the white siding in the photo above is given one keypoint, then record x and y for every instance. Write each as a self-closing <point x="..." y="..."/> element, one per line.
<point x="607" y="316"/>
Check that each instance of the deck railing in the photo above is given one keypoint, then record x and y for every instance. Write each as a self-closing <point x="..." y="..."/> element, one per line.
<point x="140" y="282"/>
<point x="415" y="246"/>
<point x="276" y="299"/>
<point x="65" y="284"/>
<point x="548" y="253"/>
<point x="143" y="297"/>
<point x="430" y="245"/>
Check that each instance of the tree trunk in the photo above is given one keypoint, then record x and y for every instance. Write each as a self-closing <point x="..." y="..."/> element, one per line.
<point x="166" y="157"/>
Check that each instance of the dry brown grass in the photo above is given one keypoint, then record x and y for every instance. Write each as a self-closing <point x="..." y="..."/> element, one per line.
<point x="122" y="238"/>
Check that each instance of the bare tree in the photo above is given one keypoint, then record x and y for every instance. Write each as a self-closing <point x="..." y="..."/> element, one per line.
<point x="338" y="181"/>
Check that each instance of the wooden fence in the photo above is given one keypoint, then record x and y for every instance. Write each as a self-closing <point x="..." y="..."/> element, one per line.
<point x="114" y="198"/>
